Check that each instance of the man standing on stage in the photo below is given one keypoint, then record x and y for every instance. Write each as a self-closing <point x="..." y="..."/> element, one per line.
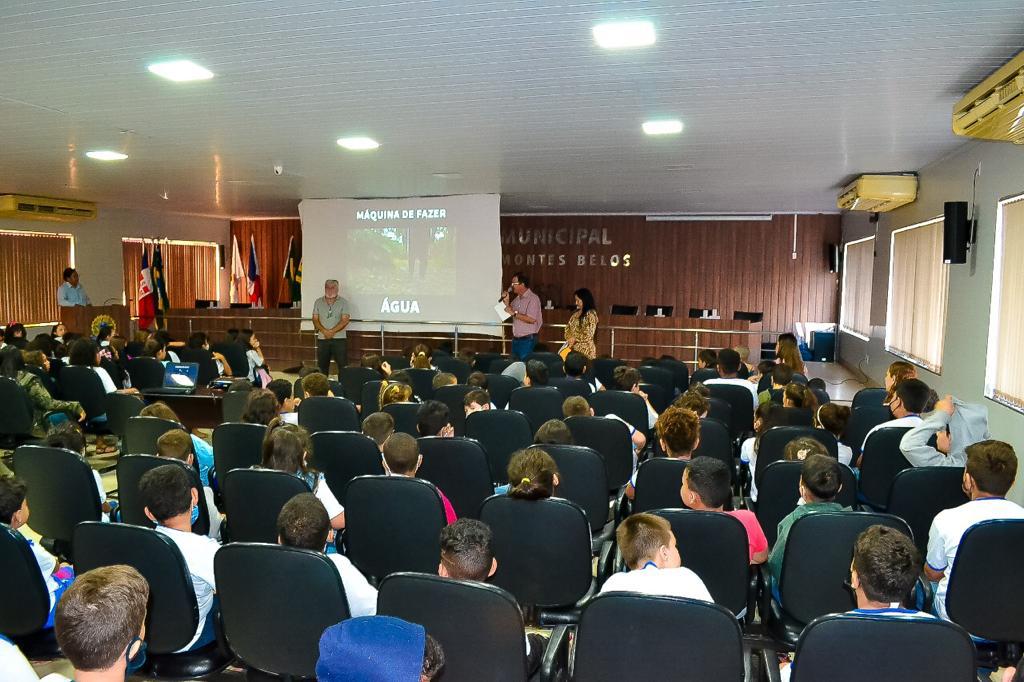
<point x="526" y="315"/>
<point x="330" y="317"/>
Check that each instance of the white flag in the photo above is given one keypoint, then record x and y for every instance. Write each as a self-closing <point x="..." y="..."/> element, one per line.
<point x="239" y="285"/>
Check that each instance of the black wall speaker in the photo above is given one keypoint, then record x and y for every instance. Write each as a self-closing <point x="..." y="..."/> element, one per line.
<point x="220" y="249"/>
<point x="956" y="232"/>
<point x="833" y="257"/>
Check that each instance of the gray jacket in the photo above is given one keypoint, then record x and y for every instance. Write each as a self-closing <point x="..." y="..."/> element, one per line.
<point x="967" y="425"/>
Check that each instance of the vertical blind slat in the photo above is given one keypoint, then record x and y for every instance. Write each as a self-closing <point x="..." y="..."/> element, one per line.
<point x="190" y="272"/>
<point x="919" y="293"/>
<point x="1009" y="323"/>
<point x="31" y="265"/>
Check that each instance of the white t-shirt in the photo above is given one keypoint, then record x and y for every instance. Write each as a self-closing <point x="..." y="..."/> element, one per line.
<point x="845" y="454"/>
<point x="632" y="430"/>
<point x="254" y="361"/>
<point x="948" y="529"/>
<point x="290" y="417"/>
<point x="749" y="455"/>
<point x="736" y="382"/>
<point x="198" y="551"/>
<point x="907" y="422"/>
<point x="662" y="582"/>
<point x="47" y="565"/>
<point x="172" y="356"/>
<point x="361" y="595"/>
<point x="213" y="512"/>
<point x="108" y="383"/>
<point x="327" y="498"/>
<point x="14" y="665"/>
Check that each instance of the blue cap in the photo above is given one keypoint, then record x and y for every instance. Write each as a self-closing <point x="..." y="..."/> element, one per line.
<point x="371" y="649"/>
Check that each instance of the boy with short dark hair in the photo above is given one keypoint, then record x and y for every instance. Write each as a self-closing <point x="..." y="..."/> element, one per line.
<point x="379" y="426"/>
<point x="909" y="401"/>
<point x="282" y="390"/>
<point x="884" y="570"/>
<point x="478" y="379"/>
<point x="176" y="444"/>
<point x="707" y="486"/>
<point x="536" y="373"/>
<point x="433" y="419"/>
<point x="316" y="385"/>
<point x="728" y="364"/>
<point x="576" y="365"/>
<point x="628" y="379"/>
<point x="401" y="457"/>
<point x="476" y="400"/>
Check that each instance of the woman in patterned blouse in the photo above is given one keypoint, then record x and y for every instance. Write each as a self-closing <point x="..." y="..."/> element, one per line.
<point x="579" y="331"/>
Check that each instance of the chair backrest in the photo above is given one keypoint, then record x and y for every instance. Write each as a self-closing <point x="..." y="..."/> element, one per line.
<point x="233" y="405"/>
<point x="422" y="382"/>
<point x="623" y="404"/>
<point x="342" y="455"/>
<point x="604" y="370"/>
<point x="622" y="636"/>
<point x="204" y="358"/>
<point x="26" y="603"/>
<point x="918" y="494"/>
<point x="881" y="460"/>
<point x="237" y="446"/>
<point x="393" y="523"/>
<point x="458" y="467"/>
<point x="147" y="372"/>
<point x="61" y="490"/>
<point x="453" y="396"/>
<point x="714" y="545"/>
<point x="173" y="614"/>
<point x="397" y="361"/>
<point x="657" y="396"/>
<point x="715" y="442"/>
<point x="772" y="447"/>
<point x="83" y="385"/>
<point x="499" y="365"/>
<point x="234" y="353"/>
<point x="500" y="387"/>
<point x="482" y="361"/>
<point x="984" y="596"/>
<point x="543" y="548"/>
<point x="720" y="411"/>
<point x="821" y="395"/>
<point x="17" y="417"/>
<point x="657" y="484"/>
<point x="610" y="438"/>
<point x="817" y="561"/>
<point x="479" y="626"/>
<point x="120" y="407"/>
<point x="703" y="374"/>
<point x="369" y="398"/>
<point x="779" y="492"/>
<point x="131" y="468"/>
<point x="324" y="413"/>
<point x="274" y="623"/>
<point x="796" y="416"/>
<point x="404" y="415"/>
<point x="659" y="376"/>
<point x="538" y="403"/>
<point x="868" y="397"/>
<point x="500" y="432"/>
<point x="680" y="373"/>
<point x="460" y="369"/>
<point x="862" y="420"/>
<point x="547" y="357"/>
<point x="142" y="433"/>
<point x="352" y="380"/>
<point x="741" y="406"/>
<point x="570" y="386"/>
<point x="928" y="649"/>
<point x="253" y="498"/>
<point x="583" y="480"/>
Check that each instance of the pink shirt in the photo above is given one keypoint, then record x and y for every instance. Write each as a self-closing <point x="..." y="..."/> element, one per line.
<point x="756" y="541"/>
<point x="449" y="510"/>
<point x="527" y="303"/>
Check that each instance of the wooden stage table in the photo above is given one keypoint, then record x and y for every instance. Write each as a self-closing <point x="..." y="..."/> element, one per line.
<point x="203" y="409"/>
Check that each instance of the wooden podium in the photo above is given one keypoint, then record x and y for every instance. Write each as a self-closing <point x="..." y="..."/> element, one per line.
<point x="78" y="319"/>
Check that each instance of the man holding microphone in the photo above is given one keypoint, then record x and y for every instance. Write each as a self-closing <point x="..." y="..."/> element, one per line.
<point x="526" y="315"/>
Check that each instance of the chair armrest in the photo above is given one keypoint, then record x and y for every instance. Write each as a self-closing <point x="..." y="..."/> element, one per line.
<point x="621" y="506"/>
<point x="770" y="664"/>
<point x="605" y="562"/>
<point x="923" y="594"/>
<point x="764" y="581"/>
<point x="554" y="666"/>
<point x="753" y="592"/>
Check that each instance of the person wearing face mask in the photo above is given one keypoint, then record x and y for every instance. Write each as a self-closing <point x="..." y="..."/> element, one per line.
<point x="101" y="624"/>
<point x="177" y="444"/>
<point x="955" y="426"/>
<point x="911" y="398"/>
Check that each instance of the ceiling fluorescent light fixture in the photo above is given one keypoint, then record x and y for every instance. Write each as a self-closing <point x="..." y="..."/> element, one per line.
<point x="663" y="127"/>
<point x="106" y="155"/>
<point x="448" y="176"/>
<point x="699" y="218"/>
<point x="358" y="144"/>
<point x="180" y="71"/>
<point x="621" y="35"/>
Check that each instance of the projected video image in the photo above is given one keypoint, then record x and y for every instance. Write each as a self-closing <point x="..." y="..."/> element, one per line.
<point x="403" y="261"/>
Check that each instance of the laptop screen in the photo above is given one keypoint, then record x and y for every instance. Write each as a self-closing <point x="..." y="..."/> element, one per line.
<point x="181" y="374"/>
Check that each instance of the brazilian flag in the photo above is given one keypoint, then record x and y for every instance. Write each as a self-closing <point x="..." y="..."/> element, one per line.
<point x="160" y="285"/>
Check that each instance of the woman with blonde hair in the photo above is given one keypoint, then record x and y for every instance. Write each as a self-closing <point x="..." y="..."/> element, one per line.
<point x="420" y="358"/>
<point x="897" y="372"/>
<point x="394" y="392"/>
<point x="787" y="352"/>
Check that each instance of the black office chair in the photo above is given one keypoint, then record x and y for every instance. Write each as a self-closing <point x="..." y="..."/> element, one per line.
<point x="142" y="433"/>
<point x="233" y="405"/>
<point x="458" y="467"/>
<point x="772" y="447"/>
<point x="460" y="369"/>
<point x="583" y="480"/>
<point x="47" y="380"/>
<point x="611" y="439"/>
<point x="17" y="418"/>
<point x="984" y="596"/>
<point x="482" y="361"/>
<point x="721" y="412"/>
<point x="207" y="365"/>
<point x="918" y="494"/>
<point x="25" y="607"/>
<point x="547" y="357"/>
<point x="658" y="480"/>
<point x="393" y="523"/>
<point x="453" y="396"/>
<point x="796" y="416"/>
<point x="544" y="552"/>
<point x="741" y="404"/>
<point x="237" y="446"/>
<point x="369" y="398"/>
<point x="499" y="365"/>
<point x="404" y="415"/>
<point x="253" y="500"/>
<point x="715" y="442"/>
<point x="779" y="494"/>
<point x="659" y="399"/>
<point x="571" y="386"/>
<point x="868" y="397"/>
<point x="131" y="468"/>
<point x="422" y="382"/>
<point x="120" y="407"/>
<point x="659" y="376"/>
<point x="147" y="372"/>
<point x="680" y="373"/>
<point x="500" y="432"/>
<point x="397" y="361"/>
<point x="623" y="404"/>
<point x="621" y="637"/>
<point x="342" y="455"/>
<point x="821" y="395"/>
<point x="500" y="387"/>
<point x="352" y="380"/>
<point x="538" y="403"/>
<point x="234" y="353"/>
<point x="881" y="460"/>
<point x="929" y="649"/>
<point x="862" y="420"/>
<point x="83" y="385"/>
<point x="603" y="369"/>
<point x="324" y="413"/>
<point x="273" y="624"/>
<point x="61" y="492"/>
<point x="815" y="566"/>
<point x="172" y="616"/>
<point x="703" y="375"/>
<point x="479" y="626"/>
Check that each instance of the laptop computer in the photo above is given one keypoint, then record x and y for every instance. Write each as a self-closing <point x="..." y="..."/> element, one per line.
<point x="179" y="379"/>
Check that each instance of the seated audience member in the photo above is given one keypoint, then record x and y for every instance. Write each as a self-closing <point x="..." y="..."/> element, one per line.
<point x="628" y="379"/>
<point x="14" y="336"/>
<point x="532" y="475"/>
<point x="536" y="373"/>
<point x="200" y="341"/>
<point x="170" y="503"/>
<point x="764" y="369"/>
<point x="820" y="482"/>
<point x="466" y="554"/>
<point x="377" y="363"/>
<point x="287" y="406"/>
<point x="421" y="357"/>
<point x="577" y="406"/>
<point x="303" y="523"/>
<point x="906" y="407"/>
<point x="694" y="401"/>
<point x="14" y="512"/>
<point x="766" y="416"/>
<point x="253" y="355"/>
<point x="728" y="369"/>
<point x="517" y="370"/>
<point x="553" y="432"/>
<point x="433" y="419"/>
<point x="477" y="400"/>
<point x="401" y="457"/>
<point x="834" y="418"/>
<point x="240" y="386"/>
<point x="787" y="351"/>
<point x="799" y="396"/>
<point x="177" y="445"/>
<point x="477" y="379"/>
<point x="101" y="623"/>
<point x="575" y="367"/>
<point x="707" y="486"/>
<point x="897" y="372"/>
<point x="955" y="425"/>
<point x="678" y="431"/>
<point x="649" y="550"/>
<point x="316" y="385"/>
<point x="394" y="392"/>
<point x="202" y="450"/>
<point x="799" y="449"/>
<point x="69" y="436"/>
<point x="12" y="366"/>
<point x="699" y="388"/>
<point x="378" y="649"/>
<point x="155" y="349"/>
<point x="286" y="447"/>
<point x="707" y="359"/>
<point x="744" y="353"/>
<point x="443" y="379"/>
<point x="782" y="376"/>
<point x="379" y="426"/>
<point x="990" y="471"/>
<point x="260" y="407"/>
<point x="817" y="384"/>
<point x="164" y="337"/>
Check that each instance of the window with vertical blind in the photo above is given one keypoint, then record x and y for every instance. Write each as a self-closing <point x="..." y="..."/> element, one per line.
<point x="918" y="292"/>
<point x="31" y="268"/>
<point x="191" y="271"/>
<point x="858" y="266"/>
<point x="1004" y="375"/>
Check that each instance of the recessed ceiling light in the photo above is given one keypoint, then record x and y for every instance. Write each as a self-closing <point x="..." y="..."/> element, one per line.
<point x="618" y="35"/>
<point x="448" y="176"/>
<point x="106" y="155"/>
<point x="180" y="71"/>
<point x="358" y="144"/>
<point x="663" y="127"/>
